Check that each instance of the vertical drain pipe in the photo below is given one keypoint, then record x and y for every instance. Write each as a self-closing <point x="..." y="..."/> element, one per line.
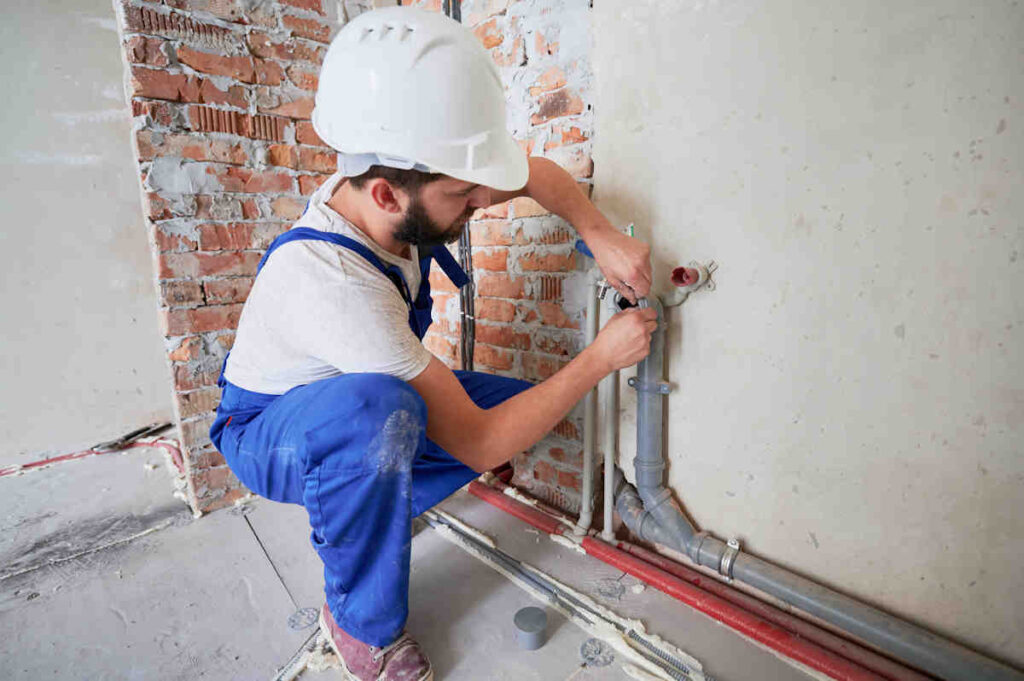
<point x="589" y="414"/>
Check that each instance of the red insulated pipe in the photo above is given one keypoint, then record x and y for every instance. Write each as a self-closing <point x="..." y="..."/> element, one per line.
<point x="542" y="521"/>
<point x="826" y="639"/>
<point x="160" y="444"/>
<point x="757" y="628"/>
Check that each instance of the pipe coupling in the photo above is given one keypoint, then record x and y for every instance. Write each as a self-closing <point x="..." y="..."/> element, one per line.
<point x="732" y="549"/>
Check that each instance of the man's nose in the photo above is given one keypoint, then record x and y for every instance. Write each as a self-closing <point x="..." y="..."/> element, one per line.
<point x="480" y="197"/>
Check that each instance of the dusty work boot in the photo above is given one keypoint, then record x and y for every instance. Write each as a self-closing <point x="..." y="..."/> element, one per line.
<point x="401" y="660"/>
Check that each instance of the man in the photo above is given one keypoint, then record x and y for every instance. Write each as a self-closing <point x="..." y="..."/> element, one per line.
<point x="330" y="399"/>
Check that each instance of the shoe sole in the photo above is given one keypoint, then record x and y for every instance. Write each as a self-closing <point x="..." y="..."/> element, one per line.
<point x="344" y="667"/>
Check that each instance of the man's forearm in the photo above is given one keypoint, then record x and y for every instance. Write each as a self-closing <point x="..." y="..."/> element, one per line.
<point x="556" y="190"/>
<point x="518" y="423"/>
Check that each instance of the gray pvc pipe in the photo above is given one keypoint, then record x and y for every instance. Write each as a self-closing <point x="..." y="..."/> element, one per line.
<point x="649" y="511"/>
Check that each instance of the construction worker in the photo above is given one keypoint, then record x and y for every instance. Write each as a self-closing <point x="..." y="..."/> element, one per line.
<point x="330" y="400"/>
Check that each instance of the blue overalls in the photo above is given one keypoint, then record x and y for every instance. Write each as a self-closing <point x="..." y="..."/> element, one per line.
<point x="353" y="451"/>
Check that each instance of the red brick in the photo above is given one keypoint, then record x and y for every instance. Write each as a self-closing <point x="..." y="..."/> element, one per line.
<point x="557" y="104"/>
<point x="495" y="310"/>
<point x="268" y="72"/>
<point x="169" y="242"/>
<point x="262" y="46"/>
<point x="283" y="155"/>
<point x="261" y="126"/>
<point x="500" y="286"/>
<point x="569" y="480"/>
<point x="493" y="233"/>
<point x="492" y="357"/>
<point x="552" y="314"/>
<point x="303" y="77"/>
<point x="157" y="208"/>
<point x="192" y="265"/>
<point x="550" y="288"/>
<point x="307" y="28"/>
<point x="547" y="262"/>
<point x="180" y="293"/>
<point x="498" y="210"/>
<point x="201" y="319"/>
<point x="246" y="180"/>
<point x="444" y="348"/>
<point x="196" y="147"/>
<point x="573" y="457"/>
<point x="317" y="160"/>
<point x="304" y="134"/>
<point x="495" y="260"/>
<point x="525" y="207"/>
<point x="288" y="208"/>
<point x="502" y="336"/>
<point x="141" y="49"/>
<point x="189" y="377"/>
<point x="173" y="25"/>
<point x="301" y="107"/>
<point x="177" y="87"/>
<point x="566" y="429"/>
<point x="540" y="368"/>
<point x="542" y="46"/>
<point x="238" y="68"/>
<point x="197" y="402"/>
<point x="309" y="183"/>
<point x="250" y="209"/>
<point x="544" y="472"/>
<point x="552" y="79"/>
<point x="515" y="55"/>
<point x="554" y="346"/>
<point x="196" y="434"/>
<point x="229" y="10"/>
<point x="560" y="138"/>
<point x="187" y="350"/>
<point x="156" y="113"/>
<point x="209" y="478"/>
<point x="222" y="291"/>
<point x="207" y="458"/>
<point x="489" y="34"/>
<point x="439" y="282"/>
<point x="311" y="5"/>
<point x="224" y="237"/>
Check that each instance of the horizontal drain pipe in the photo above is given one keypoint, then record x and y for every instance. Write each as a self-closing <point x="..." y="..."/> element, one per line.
<point x="749" y="624"/>
<point x="651" y="513"/>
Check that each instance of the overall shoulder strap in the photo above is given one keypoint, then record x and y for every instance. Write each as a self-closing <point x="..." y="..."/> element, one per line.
<point x="448" y="265"/>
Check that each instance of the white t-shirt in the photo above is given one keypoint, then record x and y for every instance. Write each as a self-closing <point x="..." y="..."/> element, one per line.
<point x="319" y="310"/>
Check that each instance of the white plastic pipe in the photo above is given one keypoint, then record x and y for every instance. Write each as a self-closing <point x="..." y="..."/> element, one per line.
<point x="611" y="450"/>
<point x="589" y="414"/>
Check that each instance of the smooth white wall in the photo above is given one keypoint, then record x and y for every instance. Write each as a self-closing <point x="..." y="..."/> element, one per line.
<point x="850" y="399"/>
<point x="80" y="352"/>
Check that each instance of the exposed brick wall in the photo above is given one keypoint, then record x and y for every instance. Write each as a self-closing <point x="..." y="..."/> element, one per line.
<point x="529" y="284"/>
<point x="221" y="92"/>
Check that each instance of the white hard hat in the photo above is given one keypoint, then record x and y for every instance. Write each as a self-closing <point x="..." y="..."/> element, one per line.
<point x="407" y="83"/>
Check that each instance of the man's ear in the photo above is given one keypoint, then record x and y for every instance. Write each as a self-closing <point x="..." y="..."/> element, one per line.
<point x="384" y="196"/>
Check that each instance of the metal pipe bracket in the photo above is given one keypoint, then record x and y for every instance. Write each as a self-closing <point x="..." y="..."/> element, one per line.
<point x="657" y="387"/>
<point x="732" y="549"/>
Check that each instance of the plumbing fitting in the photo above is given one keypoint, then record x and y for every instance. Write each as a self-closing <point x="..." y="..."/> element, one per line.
<point x="688" y="280"/>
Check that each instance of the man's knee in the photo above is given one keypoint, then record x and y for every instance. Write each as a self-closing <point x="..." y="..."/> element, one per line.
<point x="391" y="416"/>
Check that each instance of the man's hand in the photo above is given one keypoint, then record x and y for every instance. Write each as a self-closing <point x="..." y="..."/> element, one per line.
<point x="626" y="338"/>
<point x="624" y="261"/>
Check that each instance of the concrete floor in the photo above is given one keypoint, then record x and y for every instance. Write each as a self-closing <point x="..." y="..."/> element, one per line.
<point x="103" y="574"/>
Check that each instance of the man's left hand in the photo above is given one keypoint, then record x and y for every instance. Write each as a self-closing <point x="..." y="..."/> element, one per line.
<point x="624" y="261"/>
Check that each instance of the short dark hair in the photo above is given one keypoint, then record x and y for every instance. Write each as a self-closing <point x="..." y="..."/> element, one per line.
<point x="409" y="180"/>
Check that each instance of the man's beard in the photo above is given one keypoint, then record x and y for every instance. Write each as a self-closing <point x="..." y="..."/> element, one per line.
<point x="418" y="229"/>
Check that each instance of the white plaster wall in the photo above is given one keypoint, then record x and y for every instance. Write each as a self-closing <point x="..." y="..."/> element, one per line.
<point x="80" y="352"/>
<point x="851" y="397"/>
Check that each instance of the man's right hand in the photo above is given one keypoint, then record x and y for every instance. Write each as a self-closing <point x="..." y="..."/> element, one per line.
<point x="626" y="338"/>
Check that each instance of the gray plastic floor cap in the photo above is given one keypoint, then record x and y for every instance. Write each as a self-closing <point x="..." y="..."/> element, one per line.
<point x="530" y="627"/>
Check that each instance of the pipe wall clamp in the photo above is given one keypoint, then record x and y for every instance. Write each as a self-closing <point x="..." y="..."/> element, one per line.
<point x="657" y="387"/>
<point x="732" y="549"/>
